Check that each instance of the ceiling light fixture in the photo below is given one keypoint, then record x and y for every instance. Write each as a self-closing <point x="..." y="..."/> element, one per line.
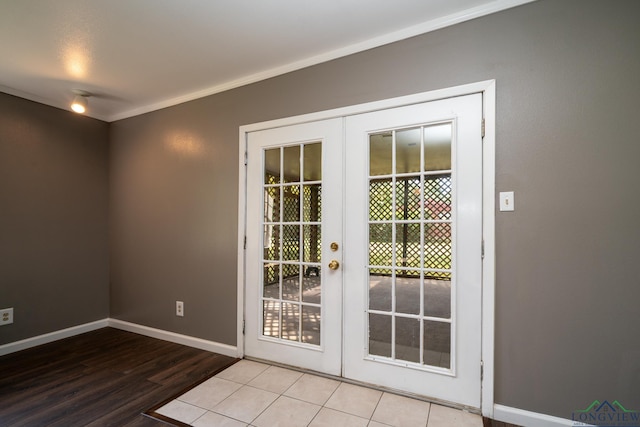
<point x="79" y="104"/>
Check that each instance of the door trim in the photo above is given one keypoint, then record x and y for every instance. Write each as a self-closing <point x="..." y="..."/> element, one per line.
<point x="488" y="90"/>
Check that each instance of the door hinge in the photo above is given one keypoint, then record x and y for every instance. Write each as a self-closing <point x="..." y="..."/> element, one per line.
<point x="482" y="131"/>
<point x="482" y="249"/>
<point x="243" y="322"/>
<point x="245" y="242"/>
<point x="481" y="370"/>
<point x="246" y="155"/>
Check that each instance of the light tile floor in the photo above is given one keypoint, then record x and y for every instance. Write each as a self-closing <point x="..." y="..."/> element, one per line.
<point x="260" y="395"/>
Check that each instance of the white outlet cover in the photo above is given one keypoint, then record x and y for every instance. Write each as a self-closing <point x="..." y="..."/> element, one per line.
<point x="507" y="201"/>
<point x="6" y="316"/>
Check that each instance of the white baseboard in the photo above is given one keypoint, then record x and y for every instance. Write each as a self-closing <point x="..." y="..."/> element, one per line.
<point x="215" y="347"/>
<point x="12" y="347"/>
<point x="527" y="418"/>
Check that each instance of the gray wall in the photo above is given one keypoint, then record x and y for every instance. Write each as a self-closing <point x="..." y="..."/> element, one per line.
<point x="567" y="144"/>
<point x="53" y="218"/>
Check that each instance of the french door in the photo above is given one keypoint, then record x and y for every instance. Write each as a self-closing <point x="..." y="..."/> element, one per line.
<point x="363" y="254"/>
<point x="293" y="299"/>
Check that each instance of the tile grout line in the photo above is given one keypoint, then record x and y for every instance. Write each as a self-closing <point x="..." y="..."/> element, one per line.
<point x="428" y="415"/>
<point x="374" y="409"/>
<point x="282" y="394"/>
<point x="224" y="415"/>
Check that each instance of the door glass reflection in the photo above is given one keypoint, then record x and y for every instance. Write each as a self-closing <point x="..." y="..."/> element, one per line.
<point x="380" y="154"/>
<point x="379" y="335"/>
<point x="437" y="147"/>
<point x="411" y="244"/>
<point x="437" y="344"/>
<point x="292" y="281"/>
<point x="408" y="150"/>
<point x="408" y="339"/>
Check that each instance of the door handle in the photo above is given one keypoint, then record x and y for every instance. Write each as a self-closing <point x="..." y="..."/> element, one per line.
<point x="334" y="264"/>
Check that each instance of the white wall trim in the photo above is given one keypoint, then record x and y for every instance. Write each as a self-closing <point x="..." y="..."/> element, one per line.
<point x="488" y="89"/>
<point x="488" y="235"/>
<point x="215" y="347"/>
<point x="242" y="232"/>
<point x="527" y="418"/>
<point x="422" y="28"/>
<point x="24" y="344"/>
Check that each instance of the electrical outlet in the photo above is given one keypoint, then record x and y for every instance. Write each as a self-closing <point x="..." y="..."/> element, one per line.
<point x="179" y="308"/>
<point x="6" y="316"/>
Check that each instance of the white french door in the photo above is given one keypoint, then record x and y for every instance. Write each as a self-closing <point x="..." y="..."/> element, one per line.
<point x="363" y="248"/>
<point x="293" y="299"/>
<point x="413" y="263"/>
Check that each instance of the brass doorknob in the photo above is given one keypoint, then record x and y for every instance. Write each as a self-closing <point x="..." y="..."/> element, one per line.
<point x="334" y="264"/>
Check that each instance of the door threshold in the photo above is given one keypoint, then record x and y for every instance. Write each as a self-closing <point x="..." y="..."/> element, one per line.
<point x="369" y="385"/>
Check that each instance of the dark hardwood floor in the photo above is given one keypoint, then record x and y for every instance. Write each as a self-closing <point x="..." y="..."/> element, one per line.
<point x="102" y="378"/>
<point x="107" y="377"/>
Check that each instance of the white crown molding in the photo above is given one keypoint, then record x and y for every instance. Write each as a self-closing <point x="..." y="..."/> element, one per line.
<point x="425" y="27"/>
<point x="51" y="103"/>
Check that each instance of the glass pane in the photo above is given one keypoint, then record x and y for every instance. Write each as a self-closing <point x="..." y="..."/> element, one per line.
<point x="291" y="203"/>
<point x="291" y="282"/>
<point x="312" y="243"/>
<point x="290" y="322"/>
<point x="312" y="203"/>
<point x="291" y="242"/>
<point x="312" y="285"/>
<point x="408" y="339"/>
<point x="271" y="319"/>
<point x="437" y="147"/>
<point x="379" y="292"/>
<point x="408" y="198"/>
<point x="379" y="335"/>
<point x="311" y="324"/>
<point x="437" y="275"/>
<point x="408" y="150"/>
<point x="408" y="292"/>
<point x="380" y="199"/>
<point x="380" y="248"/>
<point x="437" y="344"/>
<point x="271" y="280"/>
<point x="437" y="195"/>
<point x="380" y="271"/>
<point x="313" y="162"/>
<point x="291" y="164"/>
<point x="272" y="166"/>
<point x="272" y="242"/>
<point x="408" y="245"/>
<point x="272" y="204"/>
<point x="380" y="158"/>
<point x="437" y="246"/>
<point x="437" y="298"/>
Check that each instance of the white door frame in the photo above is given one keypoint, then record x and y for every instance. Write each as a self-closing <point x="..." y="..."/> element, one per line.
<point x="488" y="90"/>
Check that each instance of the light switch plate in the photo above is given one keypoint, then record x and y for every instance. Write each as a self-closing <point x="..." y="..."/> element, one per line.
<point x="507" y="201"/>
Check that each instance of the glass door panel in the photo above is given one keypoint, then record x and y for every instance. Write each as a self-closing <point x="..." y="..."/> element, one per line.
<point x="410" y="245"/>
<point x="293" y="259"/>
<point x="293" y="301"/>
<point x="413" y="228"/>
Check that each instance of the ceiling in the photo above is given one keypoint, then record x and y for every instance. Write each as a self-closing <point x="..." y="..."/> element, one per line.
<point x="136" y="56"/>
